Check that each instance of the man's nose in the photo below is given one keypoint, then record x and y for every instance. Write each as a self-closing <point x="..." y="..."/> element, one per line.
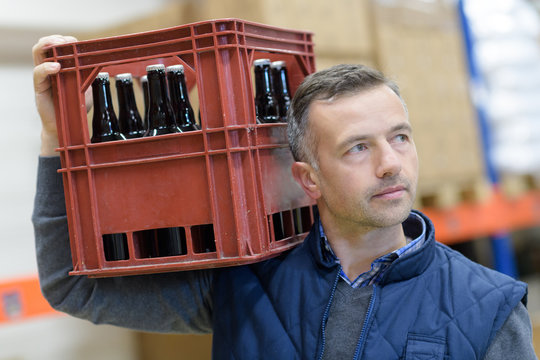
<point x="388" y="162"/>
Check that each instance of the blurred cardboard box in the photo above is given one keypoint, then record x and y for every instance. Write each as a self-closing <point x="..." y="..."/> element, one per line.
<point x="341" y="26"/>
<point x="419" y="44"/>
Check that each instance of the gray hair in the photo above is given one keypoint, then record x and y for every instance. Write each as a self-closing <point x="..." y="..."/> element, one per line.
<point x="328" y="84"/>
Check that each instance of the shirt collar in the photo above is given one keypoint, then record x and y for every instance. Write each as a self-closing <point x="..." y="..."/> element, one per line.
<point x="414" y="228"/>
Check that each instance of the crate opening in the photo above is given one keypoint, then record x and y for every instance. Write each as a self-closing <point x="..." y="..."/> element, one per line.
<point x="286" y="224"/>
<point x="138" y="70"/>
<point x="203" y="238"/>
<point x="302" y="220"/>
<point x="145" y="244"/>
<point x="194" y="100"/>
<point x="171" y="241"/>
<point x="115" y="247"/>
<point x="162" y="242"/>
<point x="281" y="225"/>
<point x="292" y="66"/>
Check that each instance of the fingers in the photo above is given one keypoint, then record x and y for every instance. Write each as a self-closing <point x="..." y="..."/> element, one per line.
<point x="88" y="99"/>
<point x="38" y="53"/>
<point x="41" y="76"/>
<point x="42" y="70"/>
<point x="42" y="88"/>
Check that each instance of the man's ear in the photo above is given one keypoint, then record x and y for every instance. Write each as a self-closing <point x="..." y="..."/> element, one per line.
<point x="306" y="177"/>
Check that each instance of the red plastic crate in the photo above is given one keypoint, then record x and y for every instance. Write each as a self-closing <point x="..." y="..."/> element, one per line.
<point x="228" y="182"/>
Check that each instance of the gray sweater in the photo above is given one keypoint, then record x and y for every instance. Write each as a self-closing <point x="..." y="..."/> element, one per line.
<point x="180" y="302"/>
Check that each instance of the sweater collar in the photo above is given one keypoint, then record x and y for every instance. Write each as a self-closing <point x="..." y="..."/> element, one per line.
<point x="412" y="263"/>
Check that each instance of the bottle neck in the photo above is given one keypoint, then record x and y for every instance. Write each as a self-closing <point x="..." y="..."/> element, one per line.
<point x="126" y="97"/>
<point x="160" y="115"/>
<point x="177" y="86"/>
<point x="263" y="81"/>
<point x="104" y="122"/>
<point x="185" y="117"/>
<point x="184" y="94"/>
<point x="128" y="115"/>
<point x="157" y="88"/>
<point x="101" y="94"/>
<point x="283" y="81"/>
<point x="146" y="97"/>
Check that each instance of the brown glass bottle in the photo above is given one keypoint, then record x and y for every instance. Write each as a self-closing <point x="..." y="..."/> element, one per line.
<point x="281" y="88"/>
<point x="161" y="120"/>
<point x="146" y="97"/>
<point x="104" y="121"/>
<point x="160" y="115"/>
<point x="130" y="121"/>
<point x="266" y="104"/>
<point x="171" y="241"/>
<point x="115" y="247"/>
<point x="178" y="93"/>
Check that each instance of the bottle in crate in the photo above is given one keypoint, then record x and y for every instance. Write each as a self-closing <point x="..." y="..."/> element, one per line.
<point x="105" y="128"/>
<point x="104" y="121"/>
<point x="115" y="247"/>
<point x="146" y="98"/>
<point x="130" y="121"/>
<point x="160" y="114"/>
<point x="281" y="88"/>
<point x="178" y="93"/>
<point x="171" y="241"/>
<point x="161" y="120"/>
<point x="266" y="104"/>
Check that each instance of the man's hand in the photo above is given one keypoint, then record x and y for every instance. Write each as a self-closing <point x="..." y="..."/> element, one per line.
<point x="43" y="91"/>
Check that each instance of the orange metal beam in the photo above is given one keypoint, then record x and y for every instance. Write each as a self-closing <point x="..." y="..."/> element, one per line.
<point x="21" y="299"/>
<point x="495" y="215"/>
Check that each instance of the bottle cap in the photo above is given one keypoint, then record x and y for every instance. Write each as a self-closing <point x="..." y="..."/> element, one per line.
<point x="123" y="77"/>
<point x="103" y="76"/>
<point x="144" y="78"/>
<point x="261" y="62"/>
<point x="278" y="64"/>
<point x="175" y="68"/>
<point x="155" y="67"/>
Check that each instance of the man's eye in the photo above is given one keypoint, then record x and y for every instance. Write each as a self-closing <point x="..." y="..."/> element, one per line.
<point x="401" y="138"/>
<point x="358" y="148"/>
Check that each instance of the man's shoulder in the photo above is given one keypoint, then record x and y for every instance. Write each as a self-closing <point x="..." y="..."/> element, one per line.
<point x="290" y="266"/>
<point x="298" y="257"/>
<point x="463" y="272"/>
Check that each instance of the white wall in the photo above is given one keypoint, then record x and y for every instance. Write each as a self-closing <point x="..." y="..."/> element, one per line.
<point x="53" y="337"/>
<point x="19" y="148"/>
<point x="64" y="338"/>
<point x="73" y="15"/>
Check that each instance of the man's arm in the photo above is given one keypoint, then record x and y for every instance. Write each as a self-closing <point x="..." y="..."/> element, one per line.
<point x="514" y="340"/>
<point x="172" y="302"/>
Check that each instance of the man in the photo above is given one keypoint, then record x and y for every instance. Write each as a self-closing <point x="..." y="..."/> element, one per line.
<point x="369" y="281"/>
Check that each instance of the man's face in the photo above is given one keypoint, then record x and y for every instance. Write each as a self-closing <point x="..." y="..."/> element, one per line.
<point x="368" y="166"/>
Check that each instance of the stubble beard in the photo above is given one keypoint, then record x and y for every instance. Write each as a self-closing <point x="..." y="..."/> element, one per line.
<point x="385" y="213"/>
<point x="369" y="212"/>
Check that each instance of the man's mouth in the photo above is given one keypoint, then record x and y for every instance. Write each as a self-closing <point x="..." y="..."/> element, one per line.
<point x="392" y="192"/>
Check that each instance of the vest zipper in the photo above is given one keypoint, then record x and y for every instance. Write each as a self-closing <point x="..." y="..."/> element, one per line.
<point x="361" y="341"/>
<point x="326" y="312"/>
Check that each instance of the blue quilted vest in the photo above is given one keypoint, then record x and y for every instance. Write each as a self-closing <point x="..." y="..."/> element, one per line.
<point x="431" y="304"/>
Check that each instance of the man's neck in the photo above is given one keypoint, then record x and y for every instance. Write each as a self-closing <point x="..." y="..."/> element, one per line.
<point x="358" y="248"/>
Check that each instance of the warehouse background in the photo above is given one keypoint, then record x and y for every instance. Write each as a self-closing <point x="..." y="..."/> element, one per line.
<point x="419" y="43"/>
